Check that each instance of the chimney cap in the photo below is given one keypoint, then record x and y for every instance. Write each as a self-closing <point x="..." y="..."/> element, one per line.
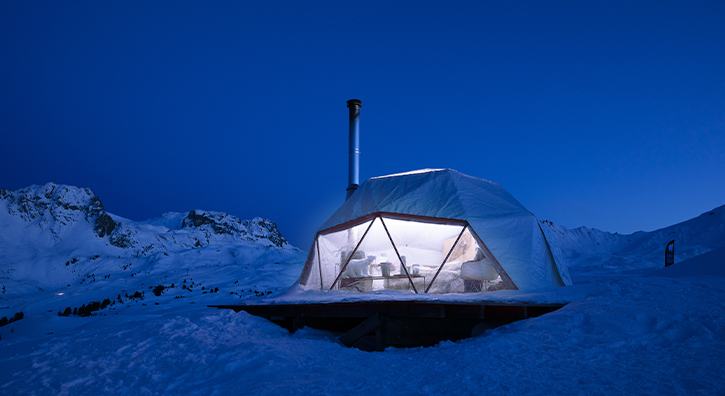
<point x="354" y="102"/>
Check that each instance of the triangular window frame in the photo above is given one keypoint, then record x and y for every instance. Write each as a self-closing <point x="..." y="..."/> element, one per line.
<point x="372" y="217"/>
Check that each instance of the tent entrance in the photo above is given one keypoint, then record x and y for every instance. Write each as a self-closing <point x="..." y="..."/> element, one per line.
<point x="398" y="252"/>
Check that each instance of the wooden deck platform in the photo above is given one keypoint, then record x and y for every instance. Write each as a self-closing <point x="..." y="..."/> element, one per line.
<point x="376" y="325"/>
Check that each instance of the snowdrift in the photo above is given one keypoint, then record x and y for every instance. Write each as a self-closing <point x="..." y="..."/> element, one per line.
<point x="709" y="264"/>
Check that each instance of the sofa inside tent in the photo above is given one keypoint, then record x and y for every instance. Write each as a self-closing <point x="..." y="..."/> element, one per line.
<point x="432" y="231"/>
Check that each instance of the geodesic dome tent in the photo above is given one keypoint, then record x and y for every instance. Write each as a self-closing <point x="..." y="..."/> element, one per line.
<point x="434" y="231"/>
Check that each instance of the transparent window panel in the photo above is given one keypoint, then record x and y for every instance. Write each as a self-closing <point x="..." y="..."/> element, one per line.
<point x="312" y="280"/>
<point x="335" y="248"/>
<point x="375" y="266"/>
<point x="467" y="270"/>
<point x="425" y="245"/>
<point x="421" y="248"/>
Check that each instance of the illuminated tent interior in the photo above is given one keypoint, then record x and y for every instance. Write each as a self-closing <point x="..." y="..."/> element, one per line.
<point x="432" y="231"/>
<point x="421" y="243"/>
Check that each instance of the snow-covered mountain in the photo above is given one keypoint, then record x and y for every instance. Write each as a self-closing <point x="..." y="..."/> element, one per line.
<point x="59" y="238"/>
<point x="60" y="208"/>
<point x="599" y="252"/>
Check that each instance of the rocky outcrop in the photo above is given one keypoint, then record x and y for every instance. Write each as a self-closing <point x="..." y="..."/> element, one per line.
<point x="56" y="206"/>
<point x="124" y="236"/>
<point x="224" y="224"/>
<point x="104" y="225"/>
<point x="263" y="228"/>
<point x="220" y="223"/>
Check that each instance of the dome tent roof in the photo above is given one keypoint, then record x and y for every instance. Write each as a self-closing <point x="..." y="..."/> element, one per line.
<point x="513" y="235"/>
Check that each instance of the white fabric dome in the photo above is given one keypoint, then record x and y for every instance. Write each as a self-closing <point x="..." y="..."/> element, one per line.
<point x="512" y="234"/>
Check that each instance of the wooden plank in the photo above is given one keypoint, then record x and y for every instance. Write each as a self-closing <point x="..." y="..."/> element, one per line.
<point x="396" y="323"/>
<point x="343" y="310"/>
<point x="403" y="309"/>
<point x="361" y="330"/>
<point x="538" y="310"/>
<point x="504" y="312"/>
<point x="297" y="323"/>
<point x="464" y="311"/>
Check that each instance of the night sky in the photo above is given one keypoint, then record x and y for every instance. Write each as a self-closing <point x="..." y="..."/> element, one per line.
<point x="604" y="114"/>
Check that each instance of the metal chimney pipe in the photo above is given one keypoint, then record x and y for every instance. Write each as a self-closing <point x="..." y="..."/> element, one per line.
<point x="354" y="171"/>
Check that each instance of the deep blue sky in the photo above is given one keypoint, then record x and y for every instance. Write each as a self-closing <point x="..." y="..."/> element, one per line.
<point x="604" y="114"/>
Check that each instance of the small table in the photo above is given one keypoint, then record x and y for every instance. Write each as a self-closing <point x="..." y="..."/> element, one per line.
<point x="365" y="283"/>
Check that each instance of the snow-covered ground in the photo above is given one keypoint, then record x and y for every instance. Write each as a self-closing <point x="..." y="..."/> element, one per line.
<point x="631" y="327"/>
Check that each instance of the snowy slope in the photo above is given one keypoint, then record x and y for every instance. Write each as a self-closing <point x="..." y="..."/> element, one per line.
<point x="591" y="252"/>
<point x="60" y="245"/>
<point x="707" y="264"/>
<point x="621" y="333"/>
<point x="692" y="238"/>
<point x="633" y="335"/>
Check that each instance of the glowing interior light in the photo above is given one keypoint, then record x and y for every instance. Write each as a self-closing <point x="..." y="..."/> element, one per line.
<point x="391" y="253"/>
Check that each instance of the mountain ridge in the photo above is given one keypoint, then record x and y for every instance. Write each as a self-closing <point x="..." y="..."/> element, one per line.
<point x="588" y="247"/>
<point x="57" y="235"/>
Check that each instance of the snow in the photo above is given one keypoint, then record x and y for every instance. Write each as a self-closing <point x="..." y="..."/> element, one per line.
<point x="634" y="336"/>
<point x="630" y="326"/>
<point x="413" y="172"/>
<point x="707" y="264"/>
<point x="591" y="253"/>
